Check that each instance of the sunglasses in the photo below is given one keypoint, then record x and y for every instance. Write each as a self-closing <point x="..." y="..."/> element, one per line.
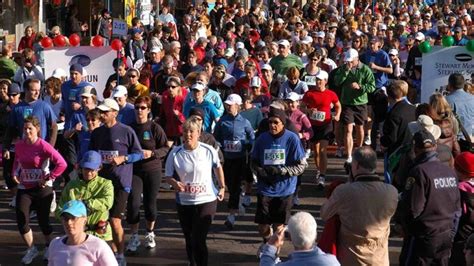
<point x="171" y="86"/>
<point x="91" y="120"/>
<point x="141" y="107"/>
<point x="132" y="76"/>
<point x="273" y="122"/>
<point x="104" y="112"/>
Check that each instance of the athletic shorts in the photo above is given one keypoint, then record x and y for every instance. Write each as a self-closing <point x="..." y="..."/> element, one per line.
<point x="354" y="114"/>
<point x="120" y="202"/>
<point x="273" y="210"/>
<point x="324" y="132"/>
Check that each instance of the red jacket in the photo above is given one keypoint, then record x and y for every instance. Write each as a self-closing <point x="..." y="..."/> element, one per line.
<point x="172" y="123"/>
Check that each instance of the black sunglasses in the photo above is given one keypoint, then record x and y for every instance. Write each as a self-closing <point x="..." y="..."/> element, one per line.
<point x="140" y="107"/>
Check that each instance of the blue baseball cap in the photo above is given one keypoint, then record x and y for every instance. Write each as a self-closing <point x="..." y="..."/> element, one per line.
<point x="91" y="160"/>
<point x="77" y="68"/>
<point x="14" y="89"/>
<point x="75" y="208"/>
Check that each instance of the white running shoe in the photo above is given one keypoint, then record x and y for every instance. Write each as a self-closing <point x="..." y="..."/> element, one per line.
<point x="367" y="141"/>
<point x="33" y="214"/>
<point x="133" y="243"/>
<point x="150" y="240"/>
<point x="230" y="221"/>
<point x="12" y="203"/>
<point x="349" y="160"/>
<point x="339" y="152"/>
<point x="45" y="253"/>
<point x="296" y="201"/>
<point x="30" y="255"/>
<point x="320" y="181"/>
<point x="53" y="203"/>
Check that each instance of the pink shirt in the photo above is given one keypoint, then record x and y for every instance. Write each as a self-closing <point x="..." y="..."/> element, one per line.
<point x="93" y="251"/>
<point x="32" y="163"/>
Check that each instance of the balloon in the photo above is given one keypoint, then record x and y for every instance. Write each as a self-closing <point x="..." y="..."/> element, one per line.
<point x="46" y="42"/>
<point x="74" y="39"/>
<point x="470" y="45"/>
<point x="448" y="41"/>
<point x="116" y="44"/>
<point x="97" y="41"/>
<point x="59" y="41"/>
<point x="425" y="47"/>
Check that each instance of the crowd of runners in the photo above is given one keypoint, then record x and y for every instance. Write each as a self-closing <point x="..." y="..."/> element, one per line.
<point x="229" y="102"/>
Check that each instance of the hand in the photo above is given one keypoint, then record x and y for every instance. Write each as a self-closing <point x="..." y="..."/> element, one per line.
<point x="336" y="118"/>
<point x="147" y="154"/>
<point x="260" y="172"/>
<point x="221" y="194"/>
<point x="277" y="239"/>
<point x="28" y="65"/>
<point x="355" y="86"/>
<point x="118" y="160"/>
<point x="42" y="182"/>
<point x="273" y="170"/>
<point x="78" y="126"/>
<point x="300" y="135"/>
<point x="75" y="106"/>
<point x="6" y="155"/>
<point x="113" y="84"/>
<point x="16" y="180"/>
<point x="178" y="186"/>
<point x="373" y="66"/>
<point x="84" y="27"/>
<point x="176" y="112"/>
<point x="396" y="61"/>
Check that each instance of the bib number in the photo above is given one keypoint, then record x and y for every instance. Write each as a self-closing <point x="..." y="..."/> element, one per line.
<point x="31" y="175"/>
<point x="232" y="146"/>
<point x="274" y="157"/>
<point x="310" y="80"/>
<point x="318" y="116"/>
<point x="108" y="156"/>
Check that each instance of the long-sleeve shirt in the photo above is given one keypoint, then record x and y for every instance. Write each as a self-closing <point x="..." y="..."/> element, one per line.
<point x="302" y="124"/>
<point x="234" y="133"/>
<point x="32" y="161"/>
<point x="151" y="137"/>
<point x="172" y="123"/>
<point x="363" y="76"/>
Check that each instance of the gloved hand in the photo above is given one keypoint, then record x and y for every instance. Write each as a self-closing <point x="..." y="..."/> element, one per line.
<point x="273" y="170"/>
<point x="260" y="172"/>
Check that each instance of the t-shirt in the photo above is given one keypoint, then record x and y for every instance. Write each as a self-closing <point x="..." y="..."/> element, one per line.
<point x="93" y="251"/>
<point x="111" y="142"/>
<point x="70" y="94"/>
<point x="38" y="109"/>
<point x="195" y="169"/>
<point x="126" y="115"/>
<point x="151" y="137"/>
<point x="210" y="111"/>
<point x="281" y="64"/>
<point x="321" y="100"/>
<point x="380" y="58"/>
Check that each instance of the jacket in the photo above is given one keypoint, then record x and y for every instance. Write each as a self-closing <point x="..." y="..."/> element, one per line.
<point x="8" y="68"/>
<point x="343" y="80"/>
<point x="314" y="257"/>
<point x="395" y="127"/>
<point x="234" y="134"/>
<point x="98" y="196"/>
<point x="365" y="208"/>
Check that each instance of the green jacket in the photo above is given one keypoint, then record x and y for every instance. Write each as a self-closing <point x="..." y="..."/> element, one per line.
<point x="97" y="194"/>
<point x="281" y="64"/>
<point x="343" y="80"/>
<point x="8" y="68"/>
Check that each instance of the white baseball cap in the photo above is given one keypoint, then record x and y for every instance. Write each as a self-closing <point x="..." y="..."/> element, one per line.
<point x="307" y="40"/>
<point x="255" y="82"/>
<point x="239" y="45"/>
<point x="393" y="52"/>
<point x="119" y="91"/>
<point x="279" y="21"/>
<point x="419" y="36"/>
<point x="108" y="105"/>
<point x="155" y="50"/>
<point x="285" y="43"/>
<point x="198" y="86"/>
<point x="267" y="67"/>
<point x="229" y="52"/>
<point x="59" y="73"/>
<point x="382" y="27"/>
<point x="322" y="75"/>
<point x="293" y="96"/>
<point x="88" y="91"/>
<point x="320" y="34"/>
<point x="350" y="55"/>
<point x="233" y="99"/>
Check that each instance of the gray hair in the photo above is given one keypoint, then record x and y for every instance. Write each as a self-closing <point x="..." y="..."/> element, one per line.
<point x="303" y="230"/>
<point x="366" y="157"/>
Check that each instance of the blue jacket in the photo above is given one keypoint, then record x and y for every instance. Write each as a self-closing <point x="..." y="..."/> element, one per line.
<point x="234" y="133"/>
<point x="462" y="104"/>
<point x="211" y="96"/>
<point x="315" y="257"/>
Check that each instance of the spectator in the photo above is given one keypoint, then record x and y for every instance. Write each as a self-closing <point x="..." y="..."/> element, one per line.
<point x="462" y="103"/>
<point x="27" y="40"/>
<point x="8" y="67"/>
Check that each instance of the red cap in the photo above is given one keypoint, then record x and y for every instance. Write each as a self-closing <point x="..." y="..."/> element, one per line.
<point x="464" y="163"/>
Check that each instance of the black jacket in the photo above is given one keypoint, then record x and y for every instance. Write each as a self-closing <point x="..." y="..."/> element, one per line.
<point x="395" y="128"/>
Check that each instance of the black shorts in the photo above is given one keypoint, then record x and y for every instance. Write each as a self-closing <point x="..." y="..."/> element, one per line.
<point x="273" y="210"/>
<point x="324" y="132"/>
<point x="120" y="202"/>
<point x="354" y="114"/>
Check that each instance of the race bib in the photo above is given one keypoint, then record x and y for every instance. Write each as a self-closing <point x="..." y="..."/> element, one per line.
<point x="27" y="112"/>
<point x="310" y="80"/>
<point x="232" y="146"/>
<point x="31" y="175"/>
<point x="108" y="156"/>
<point x="418" y="61"/>
<point x="318" y="116"/>
<point x="274" y="157"/>
<point x="194" y="190"/>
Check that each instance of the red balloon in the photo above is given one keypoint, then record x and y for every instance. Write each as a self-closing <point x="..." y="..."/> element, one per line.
<point x="74" y="39"/>
<point x="46" y="42"/>
<point x="97" y="41"/>
<point x="116" y="44"/>
<point x="59" y="41"/>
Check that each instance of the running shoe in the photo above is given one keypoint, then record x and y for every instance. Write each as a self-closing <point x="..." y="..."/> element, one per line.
<point x="296" y="200"/>
<point x="53" y="203"/>
<point x="133" y="243"/>
<point x="339" y="152"/>
<point x="367" y="141"/>
<point x="121" y="260"/>
<point x="45" y="253"/>
<point x="230" y="221"/>
<point x="32" y="214"/>
<point x="308" y="153"/>
<point x="241" y="209"/>
<point x="12" y="203"/>
<point x="150" y="240"/>
<point x="30" y="255"/>
<point x="246" y="201"/>
<point x="320" y="181"/>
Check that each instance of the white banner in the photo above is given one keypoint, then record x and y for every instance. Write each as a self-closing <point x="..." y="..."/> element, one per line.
<point x="97" y="61"/>
<point x="441" y="62"/>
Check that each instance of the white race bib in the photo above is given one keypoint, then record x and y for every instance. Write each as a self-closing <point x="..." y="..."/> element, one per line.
<point x="108" y="156"/>
<point x="194" y="190"/>
<point x="274" y="157"/>
<point x="31" y="175"/>
<point x="232" y="146"/>
<point x="418" y="61"/>
<point x="318" y="116"/>
<point x="310" y="80"/>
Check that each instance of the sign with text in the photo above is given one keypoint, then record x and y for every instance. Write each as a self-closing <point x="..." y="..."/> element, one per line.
<point x="97" y="62"/>
<point x="438" y="64"/>
<point x="119" y="27"/>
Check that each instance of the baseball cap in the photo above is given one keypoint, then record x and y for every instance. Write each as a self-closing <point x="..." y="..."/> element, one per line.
<point x="308" y="39"/>
<point x="77" y="68"/>
<point x="332" y="25"/>
<point x="393" y="52"/>
<point x="441" y="23"/>
<point x="136" y="30"/>
<point x="88" y="91"/>
<point x="198" y="86"/>
<point x="320" y="34"/>
<point x="119" y="91"/>
<point x="233" y="99"/>
<point x="464" y="163"/>
<point x="423" y="137"/>
<point x="197" y="111"/>
<point x="322" y="75"/>
<point x="419" y="36"/>
<point x="75" y="208"/>
<point x="155" y="50"/>
<point x="109" y="105"/>
<point x="255" y="82"/>
<point x="242" y="52"/>
<point x="202" y="40"/>
<point x="229" y="52"/>
<point x="293" y="96"/>
<point x="221" y="45"/>
<point x="59" y="73"/>
<point x="279" y="21"/>
<point x="239" y="45"/>
<point x="350" y="55"/>
<point x="280" y="114"/>
<point x="382" y="27"/>
<point x="425" y="122"/>
<point x="285" y="43"/>
<point x="277" y="105"/>
<point x="14" y="89"/>
<point x="91" y="160"/>
<point x="267" y="67"/>
<point x="458" y="29"/>
<point x="374" y="39"/>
